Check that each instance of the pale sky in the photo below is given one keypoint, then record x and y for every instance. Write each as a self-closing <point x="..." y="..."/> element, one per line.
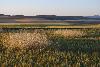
<point x="50" y="7"/>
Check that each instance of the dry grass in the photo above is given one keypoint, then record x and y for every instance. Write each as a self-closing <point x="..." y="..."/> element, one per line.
<point x="77" y="26"/>
<point x="24" y="39"/>
<point x="60" y="52"/>
<point x="69" y="33"/>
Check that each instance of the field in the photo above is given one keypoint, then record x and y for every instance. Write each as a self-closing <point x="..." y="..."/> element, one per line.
<point x="49" y="45"/>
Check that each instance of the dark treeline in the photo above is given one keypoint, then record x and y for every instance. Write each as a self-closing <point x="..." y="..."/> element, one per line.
<point x="46" y="17"/>
<point x="51" y="17"/>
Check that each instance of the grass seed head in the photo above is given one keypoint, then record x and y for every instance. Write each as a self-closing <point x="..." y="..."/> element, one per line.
<point x="24" y="39"/>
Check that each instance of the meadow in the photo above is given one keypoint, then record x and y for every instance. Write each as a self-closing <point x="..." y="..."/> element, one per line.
<point x="50" y="45"/>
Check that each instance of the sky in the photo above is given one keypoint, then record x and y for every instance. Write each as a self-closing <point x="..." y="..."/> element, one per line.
<point x="50" y="7"/>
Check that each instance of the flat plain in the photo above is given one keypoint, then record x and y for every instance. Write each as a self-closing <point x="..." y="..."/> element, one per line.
<point x="49" y="44"/>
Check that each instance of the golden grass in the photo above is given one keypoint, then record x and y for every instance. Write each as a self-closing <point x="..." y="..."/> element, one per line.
<point x="24" y="39"/>
<point x="77" y="26"/>
<point x="69" y="33"/>
<point x="46" y="25"/>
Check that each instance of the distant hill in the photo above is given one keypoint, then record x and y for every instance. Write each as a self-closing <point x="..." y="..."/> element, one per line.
<point x="50" y="17"/>
<point x="94" y="17"/>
